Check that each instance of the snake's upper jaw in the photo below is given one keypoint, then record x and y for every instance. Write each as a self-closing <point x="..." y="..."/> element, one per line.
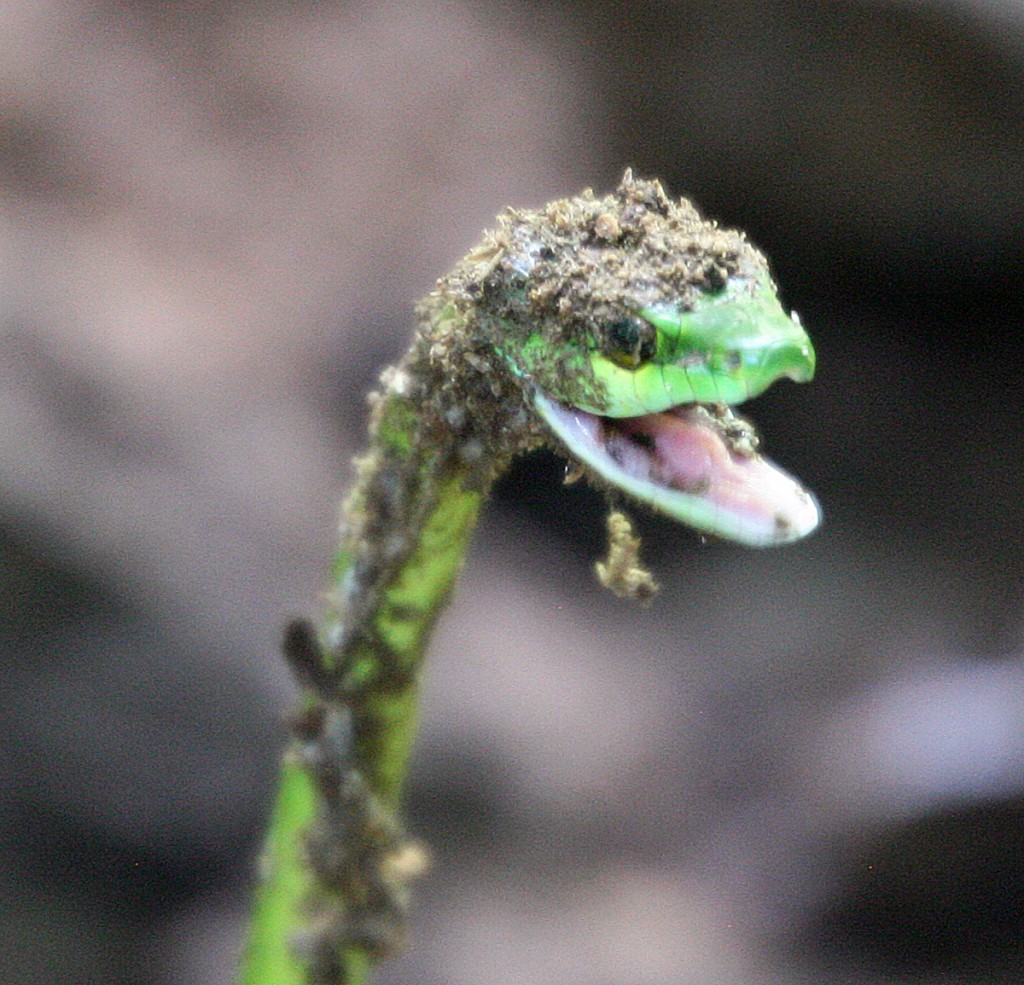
<point x="695" y="463"/>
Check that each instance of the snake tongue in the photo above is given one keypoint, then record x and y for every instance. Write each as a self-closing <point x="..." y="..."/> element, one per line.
<point x="693" y="464"/>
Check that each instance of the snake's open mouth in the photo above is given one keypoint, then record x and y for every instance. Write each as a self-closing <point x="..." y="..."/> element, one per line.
<point x="695" y="462"/>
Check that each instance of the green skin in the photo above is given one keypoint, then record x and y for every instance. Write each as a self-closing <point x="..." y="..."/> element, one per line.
<point x="505" y="348"/>
<point x="730" y="347"/>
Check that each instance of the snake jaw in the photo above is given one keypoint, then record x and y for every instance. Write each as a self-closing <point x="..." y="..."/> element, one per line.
<point x="694" y="463"/>
<point x="662" y="429"/>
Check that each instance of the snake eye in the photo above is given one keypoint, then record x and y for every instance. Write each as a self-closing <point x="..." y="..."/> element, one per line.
<point x="732" y="361"/>
<point x="629" y="342"/>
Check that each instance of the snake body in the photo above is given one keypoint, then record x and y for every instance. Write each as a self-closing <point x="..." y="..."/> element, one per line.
<point x="619" y="330"/>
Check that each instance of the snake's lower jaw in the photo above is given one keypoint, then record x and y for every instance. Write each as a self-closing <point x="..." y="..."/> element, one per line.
<point x="693" y="463"/>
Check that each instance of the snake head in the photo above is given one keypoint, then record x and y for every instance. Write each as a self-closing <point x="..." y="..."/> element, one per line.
<point x="661" y="428"/>
<point x="634" y="326"/>
<point x="728" y="346"/>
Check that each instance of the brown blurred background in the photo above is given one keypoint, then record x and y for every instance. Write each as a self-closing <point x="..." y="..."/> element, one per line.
<point x="797" y="766"/>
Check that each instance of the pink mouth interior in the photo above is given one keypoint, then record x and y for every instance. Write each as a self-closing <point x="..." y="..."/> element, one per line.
<point x="697" y="464"/>
<point x="710" y="454"/>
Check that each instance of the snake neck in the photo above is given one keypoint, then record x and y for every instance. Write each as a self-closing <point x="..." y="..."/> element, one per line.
<point x="444" y="424"/>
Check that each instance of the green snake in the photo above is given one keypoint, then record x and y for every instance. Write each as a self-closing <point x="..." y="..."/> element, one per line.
<point x="618" y="330"/>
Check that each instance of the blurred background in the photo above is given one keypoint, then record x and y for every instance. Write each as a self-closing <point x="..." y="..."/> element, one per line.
<point x="797" y="766"/>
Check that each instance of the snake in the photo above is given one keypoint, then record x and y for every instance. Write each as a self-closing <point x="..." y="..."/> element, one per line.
<point x="619" y="330"/>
